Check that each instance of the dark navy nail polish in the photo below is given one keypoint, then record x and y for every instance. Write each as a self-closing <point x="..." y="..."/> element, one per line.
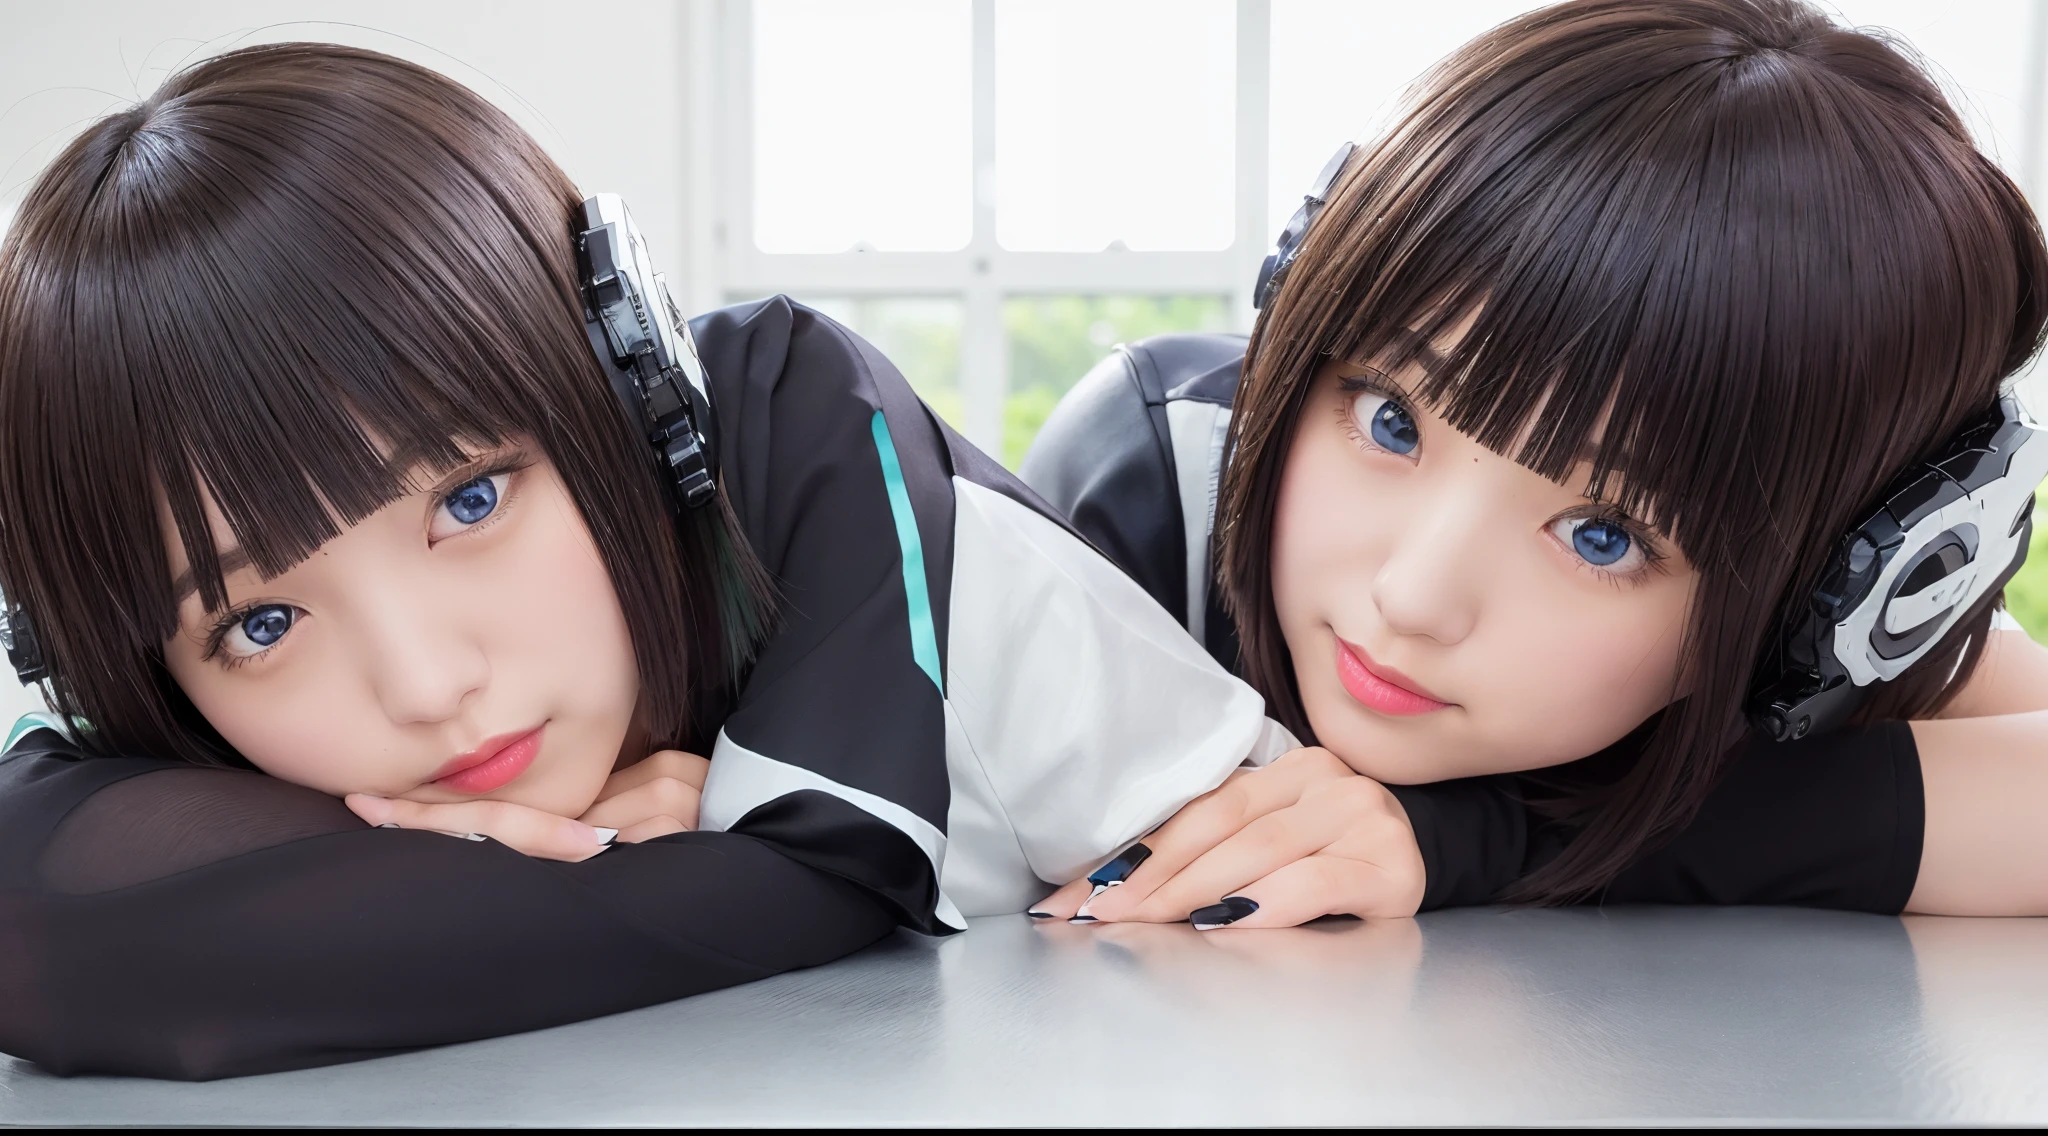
<point x="1039" y="914"/>
<point x="1120" y="869"/>
<point x="1232" y="909"/>
<point x="1082" y="919"/>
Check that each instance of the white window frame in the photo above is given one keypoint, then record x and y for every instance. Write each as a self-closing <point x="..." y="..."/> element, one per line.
<point x="724" y="260"/>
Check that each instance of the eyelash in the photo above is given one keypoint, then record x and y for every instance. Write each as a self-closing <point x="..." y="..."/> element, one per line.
<point x="512" y="463"/>
<point x="1372" y="382"/>
<point x="1637" y="533"/>
<point x="219" y="632"/>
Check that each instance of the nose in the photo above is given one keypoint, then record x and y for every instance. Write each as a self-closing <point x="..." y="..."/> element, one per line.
<point x="1427" y="585"/>
<point x="422" y="667"/>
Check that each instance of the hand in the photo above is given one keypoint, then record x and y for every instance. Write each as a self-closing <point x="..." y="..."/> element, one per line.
<point x="651" y="798"/>
<point x="647" y="799"/>
<point x="519" y="827"/>
<point x="1302" y="838"/>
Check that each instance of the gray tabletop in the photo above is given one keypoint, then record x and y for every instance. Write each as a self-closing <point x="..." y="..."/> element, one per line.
<point x="1484" y="1016"/>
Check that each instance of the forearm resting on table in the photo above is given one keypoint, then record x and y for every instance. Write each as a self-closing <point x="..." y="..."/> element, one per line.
<point x="1986" y="846"/>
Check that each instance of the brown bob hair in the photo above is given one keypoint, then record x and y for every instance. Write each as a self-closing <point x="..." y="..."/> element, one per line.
<point x="232" y="288"/>
<point x="1755" y="252"/>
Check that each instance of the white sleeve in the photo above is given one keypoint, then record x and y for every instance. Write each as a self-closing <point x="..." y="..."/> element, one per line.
<point x="1091" y="715"/>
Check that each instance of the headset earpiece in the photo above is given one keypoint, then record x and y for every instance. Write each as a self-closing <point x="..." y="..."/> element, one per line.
<point x="1275" y="267"/>
<point x="646" y="350"/>
<point x="18" y="636"/>
<point x="1949" y="532"/>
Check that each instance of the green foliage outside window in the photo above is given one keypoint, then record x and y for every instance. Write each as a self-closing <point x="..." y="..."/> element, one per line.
<point x="2026" y="594"/>
<point x="1055" y="339"/>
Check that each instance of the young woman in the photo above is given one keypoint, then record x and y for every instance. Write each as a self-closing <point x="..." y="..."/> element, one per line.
<point x="1542" y="446"/>
<point x="325" y="402"/>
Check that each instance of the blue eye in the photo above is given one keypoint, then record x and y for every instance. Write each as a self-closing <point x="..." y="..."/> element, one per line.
<point x="1600" y="542"/>
<point x="472" y="502"/>
<point x="258" y="630"/>
<point x="1387" y="423"/>
<point x="469" y="505"/>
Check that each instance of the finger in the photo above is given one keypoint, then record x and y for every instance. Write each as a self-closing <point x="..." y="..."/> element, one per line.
<point x="650" y="828"/>
<point x="536" y="833"/>
<point x="671" y="763"/>
<point x="1253" y="852"/>
<point x="661" y="797"/>
<point x="1061" y="904"/>
<point x="1217" y="815"/>
<point x="1306" y="889"/>
<point x="1352" y="817"/>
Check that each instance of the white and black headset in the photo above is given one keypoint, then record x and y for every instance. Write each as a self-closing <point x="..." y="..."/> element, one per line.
<point x="1948" y="532"/>
<point x="647" y="354"/>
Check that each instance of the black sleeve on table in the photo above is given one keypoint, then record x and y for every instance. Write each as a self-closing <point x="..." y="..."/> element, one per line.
<point x="353" y="942"/>
<point x="1835" y="821"/>
<point x="1832" y="821"/>
<point x="1473" y="835"/>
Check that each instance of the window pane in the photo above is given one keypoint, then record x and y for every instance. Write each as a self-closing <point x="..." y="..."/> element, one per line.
<point x="1055" y="339"/>
<point x="1978" y="49"/>
<point x="2026" y="594"/>
<point x="862" y="125"/>
<point x="920" y="334"/>
<point x="1323" y="93"/>
<point x="1339" y="66"/>
<point x="1115" y="121"/>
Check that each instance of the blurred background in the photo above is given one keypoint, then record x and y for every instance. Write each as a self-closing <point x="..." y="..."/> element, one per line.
<point x="996" y="192"/>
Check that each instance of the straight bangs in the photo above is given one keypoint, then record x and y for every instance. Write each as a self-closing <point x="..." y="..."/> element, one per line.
<point x="1746" y="263"/>
<point x="284" y="283"/>
<point x="1720" y="280"/>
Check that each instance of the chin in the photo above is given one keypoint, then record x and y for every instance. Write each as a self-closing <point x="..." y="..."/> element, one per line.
<point x="1386" y="751"/>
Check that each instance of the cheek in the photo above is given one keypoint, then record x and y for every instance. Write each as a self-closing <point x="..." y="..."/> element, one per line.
<point x="1574" y="674"/>
<point x="574" y="622"/>
<point x="302" y="726"/>
<point x="1322" y="546"/>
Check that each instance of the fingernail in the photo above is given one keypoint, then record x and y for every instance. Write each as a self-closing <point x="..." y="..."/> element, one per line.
<point x="461" y="835"/>
<point x="388" y="824"/>
<point x="1232" y="909"/>
<point x="1094" y="895"/>
<point x="606" y="835"/>
<point x="1119" y="869"/>
<point x="1039" y="914"/>
<point x="1082" y="919"/>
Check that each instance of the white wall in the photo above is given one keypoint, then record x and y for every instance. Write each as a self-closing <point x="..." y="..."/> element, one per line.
<point x="603" y="92"/>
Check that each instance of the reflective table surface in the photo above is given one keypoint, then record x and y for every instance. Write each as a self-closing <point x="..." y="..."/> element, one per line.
<point x="1474" y="1016"/>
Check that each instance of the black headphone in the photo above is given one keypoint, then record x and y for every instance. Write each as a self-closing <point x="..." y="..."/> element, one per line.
<point x="647" y="350"/>
<point x="1274" y="269"/>
<point x="647" y="353"/>
<point x="1949" y="532"/>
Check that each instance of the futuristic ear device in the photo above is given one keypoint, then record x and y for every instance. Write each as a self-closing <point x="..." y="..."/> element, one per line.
<point x="647" y="350"/>
<point x="1274" y="268"/>
<point x="647" y="354"/>
<point x="1949" y="532"/>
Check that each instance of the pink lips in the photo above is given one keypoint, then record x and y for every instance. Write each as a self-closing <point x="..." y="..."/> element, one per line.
<point x="1379" y="688"/>
<point x="492" y="765"/>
